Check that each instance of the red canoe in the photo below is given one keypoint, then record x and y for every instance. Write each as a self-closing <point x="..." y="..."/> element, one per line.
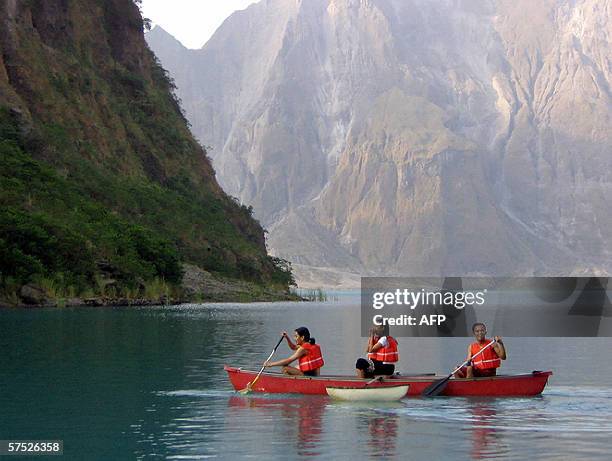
<point x="498" y="386"/>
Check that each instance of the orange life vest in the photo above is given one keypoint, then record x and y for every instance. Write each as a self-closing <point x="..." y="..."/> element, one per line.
<point x="488" y="359"/>
<point x="313" y="360"/>
<point x="387" y="354"/>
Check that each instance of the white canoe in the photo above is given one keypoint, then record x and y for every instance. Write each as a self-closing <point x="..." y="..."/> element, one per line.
<point x="380" y="394"/>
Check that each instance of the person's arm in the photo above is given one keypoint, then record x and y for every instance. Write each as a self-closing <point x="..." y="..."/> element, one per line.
<point x="281" y="363"/>
<point x="499" y="348"/>
<point x="468" y="358"/>
<point x="382" y="342"/>
<point x="289" y="342"/>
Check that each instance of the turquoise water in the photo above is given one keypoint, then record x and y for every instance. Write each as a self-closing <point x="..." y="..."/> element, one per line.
<point x="148" y="383"/>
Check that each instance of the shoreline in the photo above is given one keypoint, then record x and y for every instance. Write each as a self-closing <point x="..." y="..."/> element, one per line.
<point x="140" y="302"/>
<point x="198" y="286"/>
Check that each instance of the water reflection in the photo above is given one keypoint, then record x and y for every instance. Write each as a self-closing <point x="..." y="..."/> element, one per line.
<point x="485" y="439"/>
<point x="382" y="434"/>
<point x="312" y="423"/>
<point x="302" y="418"/>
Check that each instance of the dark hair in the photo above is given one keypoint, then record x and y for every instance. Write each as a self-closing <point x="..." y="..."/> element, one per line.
<point x="478" y="324"/>
<point x="362" y="364"/>
<point x="303" y="331"/>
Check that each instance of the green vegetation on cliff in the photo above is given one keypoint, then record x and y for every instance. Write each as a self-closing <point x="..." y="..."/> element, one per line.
<point x="102" y="186"/>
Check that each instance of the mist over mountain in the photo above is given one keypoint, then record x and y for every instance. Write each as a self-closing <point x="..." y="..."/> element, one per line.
<point x="413" y="137"/>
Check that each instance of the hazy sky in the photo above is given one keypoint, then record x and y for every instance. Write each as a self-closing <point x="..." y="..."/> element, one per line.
<point x="192" y="22"/>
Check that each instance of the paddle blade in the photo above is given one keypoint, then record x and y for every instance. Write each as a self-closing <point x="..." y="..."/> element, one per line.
<point x="436" y="388"/>
<point x="247" y="389"/>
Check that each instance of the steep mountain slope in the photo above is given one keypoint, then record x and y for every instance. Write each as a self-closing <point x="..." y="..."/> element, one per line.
<point x="104" y="191"/>
<point x="413" y="137"/>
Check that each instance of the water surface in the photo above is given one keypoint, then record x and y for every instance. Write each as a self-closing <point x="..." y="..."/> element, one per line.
<point x="147" y="383"/>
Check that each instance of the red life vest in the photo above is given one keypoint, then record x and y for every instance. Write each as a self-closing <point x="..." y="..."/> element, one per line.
<point x="488" y="359"/>
<point x="387" y="354"/>
<point x="313" y="360"/>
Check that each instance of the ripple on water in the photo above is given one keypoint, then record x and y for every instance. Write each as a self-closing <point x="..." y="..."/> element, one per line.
<point x="197" y="393"/>
<point x="561" y="410"/>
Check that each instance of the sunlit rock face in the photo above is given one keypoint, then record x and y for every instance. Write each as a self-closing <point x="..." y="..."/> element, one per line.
<point x="413" y="136"/>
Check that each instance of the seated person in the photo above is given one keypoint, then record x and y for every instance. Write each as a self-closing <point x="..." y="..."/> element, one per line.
<point x="307" y="353"/>
<point x="487" y="363"/>
<point x="382" y="350"/>
<point x="364" y="368"/>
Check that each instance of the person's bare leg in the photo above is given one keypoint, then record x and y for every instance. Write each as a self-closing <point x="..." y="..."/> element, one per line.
<point x="292" y="371"/>
<point x="469" y="372"/>
<point x="460" y="373"/>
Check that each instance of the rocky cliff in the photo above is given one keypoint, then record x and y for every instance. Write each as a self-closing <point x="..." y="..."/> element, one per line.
<point x="413" y="136"/>
<point x="104" y="191"/>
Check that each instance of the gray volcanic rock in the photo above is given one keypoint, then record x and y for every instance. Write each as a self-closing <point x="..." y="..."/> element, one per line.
<point x="413" y="136"/>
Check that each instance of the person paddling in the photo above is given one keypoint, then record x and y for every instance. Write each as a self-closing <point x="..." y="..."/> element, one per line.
<point x="307" y="353"/>
<point x="487" y="363"/>
<point x="382" y="350"/>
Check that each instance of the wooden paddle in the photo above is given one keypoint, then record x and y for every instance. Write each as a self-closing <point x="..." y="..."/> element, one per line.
<point x="437" y="387"/>
<point x="249" y="387"/>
